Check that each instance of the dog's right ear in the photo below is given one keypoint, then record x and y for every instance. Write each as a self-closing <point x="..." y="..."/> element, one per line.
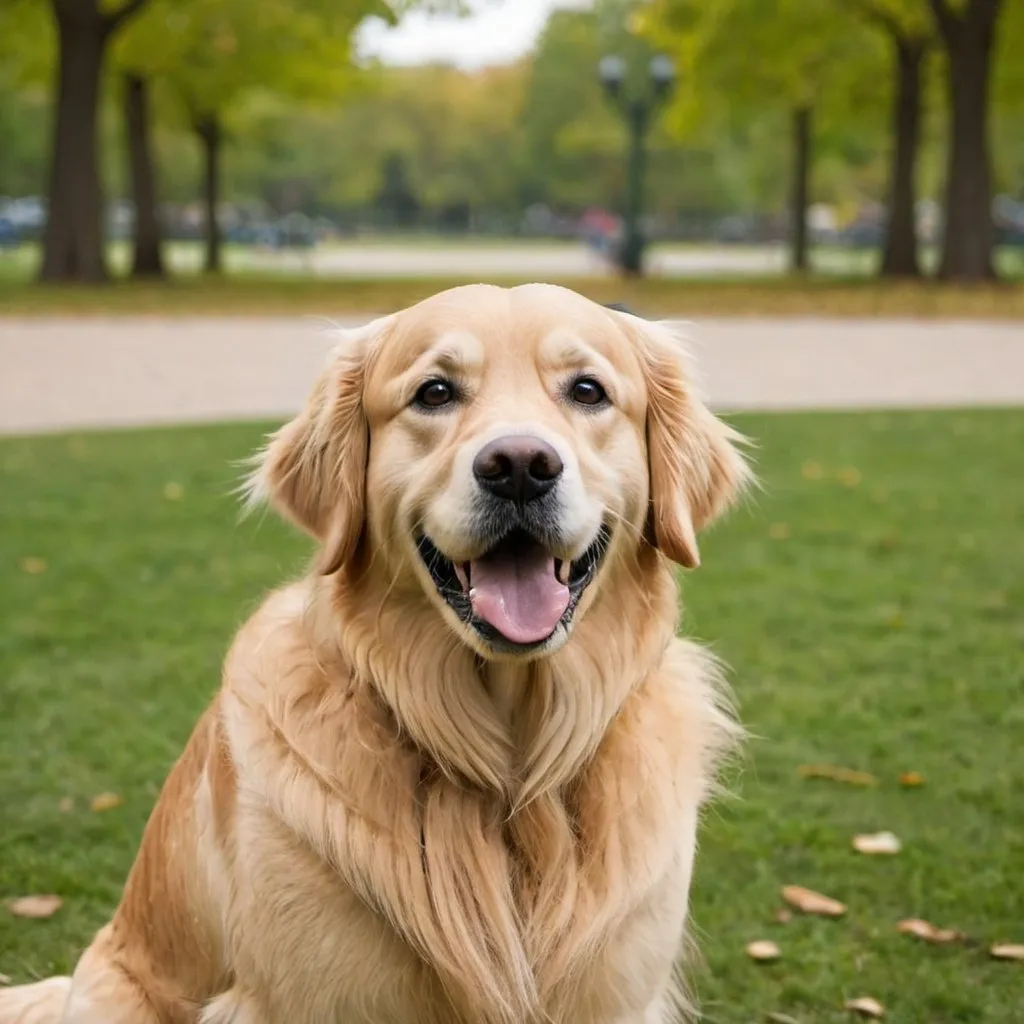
<point x="313" y="470"/>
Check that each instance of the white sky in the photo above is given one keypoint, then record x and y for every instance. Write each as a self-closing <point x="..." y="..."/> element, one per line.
<point x="496" y="32"/>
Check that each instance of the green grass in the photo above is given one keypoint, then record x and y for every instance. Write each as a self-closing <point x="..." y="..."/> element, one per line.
<point x="883" y="633"/>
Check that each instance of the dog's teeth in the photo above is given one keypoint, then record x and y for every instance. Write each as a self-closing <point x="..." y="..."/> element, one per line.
<point x="472" y="593"/>
<point x="463" y="576"/>
<point x="562" y="570"/>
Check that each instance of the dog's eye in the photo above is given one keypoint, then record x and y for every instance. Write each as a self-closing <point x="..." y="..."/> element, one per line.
<point x="586" y="391"/>
<point x="435" y="393"/>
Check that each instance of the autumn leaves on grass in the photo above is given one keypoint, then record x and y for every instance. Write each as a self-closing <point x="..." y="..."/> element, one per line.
<point x="47" y="904"/>
<point x="875" y="844"/>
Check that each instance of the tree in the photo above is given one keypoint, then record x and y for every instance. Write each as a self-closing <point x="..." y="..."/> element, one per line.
<point x="904" y="23"/>
<point x="968" y="33"/>
<point x="73" y="239"/>
<point x="739" y="56"/>
<point x="147" y="252"/>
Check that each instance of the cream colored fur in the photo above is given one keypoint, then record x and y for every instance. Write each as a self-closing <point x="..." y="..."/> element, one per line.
<point x="377" y="822"/>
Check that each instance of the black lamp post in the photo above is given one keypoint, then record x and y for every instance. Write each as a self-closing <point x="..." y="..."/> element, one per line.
<point x="637" y="110"/>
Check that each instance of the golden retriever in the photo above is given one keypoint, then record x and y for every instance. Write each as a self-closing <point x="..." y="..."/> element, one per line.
<point x="453" y="775"/>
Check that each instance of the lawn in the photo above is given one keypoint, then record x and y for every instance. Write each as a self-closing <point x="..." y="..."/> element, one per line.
<point x="869" y="603"/>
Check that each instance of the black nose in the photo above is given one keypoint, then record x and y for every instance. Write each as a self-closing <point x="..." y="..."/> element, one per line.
<point x="519" y="468"/>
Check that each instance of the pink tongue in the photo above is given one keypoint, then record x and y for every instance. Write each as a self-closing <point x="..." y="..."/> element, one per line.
<point x="519" y="594"/>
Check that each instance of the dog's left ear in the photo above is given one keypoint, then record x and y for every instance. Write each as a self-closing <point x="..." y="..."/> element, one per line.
<point x="313" y="470"/>
<point x="696" y="470"/>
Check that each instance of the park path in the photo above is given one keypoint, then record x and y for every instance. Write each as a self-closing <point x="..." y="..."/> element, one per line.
<point x="65" y="373"/>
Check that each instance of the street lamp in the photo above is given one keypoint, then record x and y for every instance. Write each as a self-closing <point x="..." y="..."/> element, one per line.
<point x="637" y="110"/>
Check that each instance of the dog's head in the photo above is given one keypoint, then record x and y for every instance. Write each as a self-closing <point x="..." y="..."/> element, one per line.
<point x="492" y="451"/>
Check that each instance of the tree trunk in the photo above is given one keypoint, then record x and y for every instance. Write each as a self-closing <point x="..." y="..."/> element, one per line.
<point x="73" y="238"/>
<point x="801" y="171"/>
<point x="969" y="232"/>
<point x="209" y="131"/>
<point x="147" y="260"/>
<point x="899" y="257"/>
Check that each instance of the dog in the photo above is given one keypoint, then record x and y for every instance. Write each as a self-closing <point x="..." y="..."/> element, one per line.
<point x="453" y="774"/>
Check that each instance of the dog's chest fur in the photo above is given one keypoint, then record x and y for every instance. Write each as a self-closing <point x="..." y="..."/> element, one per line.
<point x="382" y="873"/>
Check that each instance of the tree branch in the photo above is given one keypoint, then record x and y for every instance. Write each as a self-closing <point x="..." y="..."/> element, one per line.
<point x="128" y="9"/>
<point x="944" y="17"/>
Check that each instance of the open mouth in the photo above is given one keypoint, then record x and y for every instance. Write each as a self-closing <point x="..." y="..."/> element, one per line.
<point x="516" y="594"/>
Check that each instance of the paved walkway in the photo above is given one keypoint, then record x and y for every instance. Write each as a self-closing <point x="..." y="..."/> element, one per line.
<point x="60" y="374"/>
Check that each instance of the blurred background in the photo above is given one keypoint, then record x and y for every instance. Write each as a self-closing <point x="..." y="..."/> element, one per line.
<point x="845" y="137"/>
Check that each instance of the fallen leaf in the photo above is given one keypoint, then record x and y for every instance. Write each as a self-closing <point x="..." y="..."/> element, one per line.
<point x="783" y="916"/>
<point x="32" y="565"/>
<point x="34" y="906"/>
<point x="866" y="1007"/>
<point x="1008" y="951"/>
<point x="849" y="476"/>
<point x="877" y="843"/>
<point x="66" y="805"/>
<point x="810" y="902"/>
<point x="763" y="950"/>
<point x="4" y="980"/>
<point x="812" y="470"/>
<point x="927" y="931"/>
<point x="174" y="491"/>
<point x="105" y="802"/>
<point x="837" y="774"/>
<point x="911" y="779"/>
<point x="778" y="531"/>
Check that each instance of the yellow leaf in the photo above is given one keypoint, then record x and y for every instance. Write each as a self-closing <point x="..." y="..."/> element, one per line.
<point x="778" y="531"/>
<point x="812" y="470"/>
<point x="810" y="902"/>
<point x="1008" y="951"/>
<point x="174" y="491"/>
<point x="927" y="931"/>
<point x="32" y="565"/>
<point x="783" y="916"/>
<point x="877" y="843"/>
<point x="849" y="476"/>
<point x="763" y="950"/>
<point x="835" y="773"/>
<point x="105" y="802"/>
<point x="34" y="906"/>
<point x="866" y="1007"/>
<point x="911" y="779"/>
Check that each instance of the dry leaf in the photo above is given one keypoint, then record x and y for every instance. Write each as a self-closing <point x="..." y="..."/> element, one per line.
<point x="926" y="930"/>
<point x="911" y="779"/>
<point x="812" y="470"/>
<point x="66" y="805"/>
<point x="849" y="476"/>
<point x="837" y="774"/>
<point x="174" y="491"/>
<point x="1008" y="951"/>
<point x="877" y="843"/>
<point x="778" y="531"/>
<point x="34" y="906"/>
<point x="763" y="950"/>
<point x="810" y="902"/>
<point x="783" y="916"/>
<point x="32" y="565"/>
<point x="866" y="1007"/>
<point x="105" y="802"/>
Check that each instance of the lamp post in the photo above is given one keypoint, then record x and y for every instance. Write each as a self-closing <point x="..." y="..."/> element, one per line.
<point x="637" y="110"/>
